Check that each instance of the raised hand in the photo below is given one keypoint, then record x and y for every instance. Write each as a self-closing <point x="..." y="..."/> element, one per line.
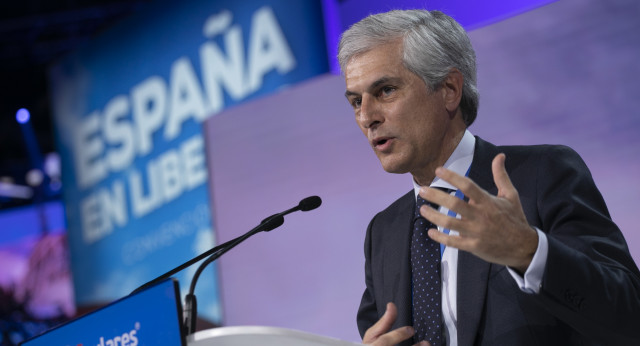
<point x="493" y="228"/>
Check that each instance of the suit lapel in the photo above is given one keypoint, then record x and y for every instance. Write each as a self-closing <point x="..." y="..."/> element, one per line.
<point x="473" y="273"/>
<point x="396" y="263"/>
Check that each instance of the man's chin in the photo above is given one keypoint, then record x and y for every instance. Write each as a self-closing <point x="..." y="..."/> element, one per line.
<point x="392" y="167"/>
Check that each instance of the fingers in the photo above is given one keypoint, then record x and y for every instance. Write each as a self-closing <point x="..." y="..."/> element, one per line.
<point x="501" y="178"/>
<point x="466" y="185"/>
<point x="470" y="189"/>
<point x="379" y="334"/>
<point x="383" y="325"/>
<point x="448" y="240"/>
<point x="444" y="220"/>
<point x="394" y="337"/>
<point x="444" y="199"/>
<point x="452" y="203"/>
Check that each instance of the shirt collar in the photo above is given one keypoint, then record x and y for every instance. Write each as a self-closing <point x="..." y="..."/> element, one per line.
<point x="459" y="162"/>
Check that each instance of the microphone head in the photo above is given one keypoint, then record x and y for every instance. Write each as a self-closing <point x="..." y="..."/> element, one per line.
<point x="310" y="203"/>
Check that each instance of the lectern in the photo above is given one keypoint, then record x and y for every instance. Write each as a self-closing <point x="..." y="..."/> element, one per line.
<point x="263" y="336"/>
<point x="153" y="316"/>
<point x="150" y="317"/>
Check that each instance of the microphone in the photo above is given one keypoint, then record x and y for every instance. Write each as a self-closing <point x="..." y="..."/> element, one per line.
<point x="306" y="204"/>
<point x="309" y="203"/>
<point x="268" y="224"/>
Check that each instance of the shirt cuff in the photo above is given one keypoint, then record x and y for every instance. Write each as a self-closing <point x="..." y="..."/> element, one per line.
<point x="532" y="281"/>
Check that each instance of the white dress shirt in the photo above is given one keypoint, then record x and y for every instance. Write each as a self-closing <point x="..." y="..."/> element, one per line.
<point x="459" y="162"/>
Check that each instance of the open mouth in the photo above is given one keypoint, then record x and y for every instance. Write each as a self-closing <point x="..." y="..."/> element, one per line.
<point x="379" y="142"/>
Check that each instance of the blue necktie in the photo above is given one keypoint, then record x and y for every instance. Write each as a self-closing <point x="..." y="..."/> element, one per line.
<point x="425" y="268"/>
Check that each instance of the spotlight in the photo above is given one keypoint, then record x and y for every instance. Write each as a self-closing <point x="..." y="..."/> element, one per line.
<point x="34" y="177"/>
<point x="22" y="115"/>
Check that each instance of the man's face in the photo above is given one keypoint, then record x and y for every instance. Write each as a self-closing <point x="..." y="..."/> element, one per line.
<point x="405" y="122"/>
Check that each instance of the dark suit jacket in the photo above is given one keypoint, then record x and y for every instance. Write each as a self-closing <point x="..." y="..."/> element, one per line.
<point x="591" y="286"/>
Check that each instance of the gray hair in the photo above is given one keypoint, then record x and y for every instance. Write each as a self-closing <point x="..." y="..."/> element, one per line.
<point x="433" y="44"/>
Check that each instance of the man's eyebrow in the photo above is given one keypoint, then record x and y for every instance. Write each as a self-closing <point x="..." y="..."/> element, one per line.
<point x="373" y="86"/>
<point x="379" y="81"/>
<point x="350" y="93"/>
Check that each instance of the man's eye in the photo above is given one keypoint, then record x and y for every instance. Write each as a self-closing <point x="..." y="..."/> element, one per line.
<point x="387" y="90"/>
<point x="356" y="103"/>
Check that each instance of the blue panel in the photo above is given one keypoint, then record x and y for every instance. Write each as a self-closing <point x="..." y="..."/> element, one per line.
<point x="151" y="317"/>
<point x="128" y="109"/>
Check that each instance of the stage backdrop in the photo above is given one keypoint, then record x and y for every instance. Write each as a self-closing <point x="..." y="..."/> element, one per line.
<point x="128" y="108"/>
<point x="561" y="73"/>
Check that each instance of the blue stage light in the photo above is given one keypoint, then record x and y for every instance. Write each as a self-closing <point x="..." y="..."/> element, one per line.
<point x="22" y="115"/>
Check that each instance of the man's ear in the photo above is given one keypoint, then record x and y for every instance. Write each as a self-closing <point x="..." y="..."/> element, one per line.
<point x="452" y="90"/>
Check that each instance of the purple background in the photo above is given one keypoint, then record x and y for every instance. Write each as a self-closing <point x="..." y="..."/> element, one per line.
<point x="341" y="14"/>
<point x="563" y="73"/>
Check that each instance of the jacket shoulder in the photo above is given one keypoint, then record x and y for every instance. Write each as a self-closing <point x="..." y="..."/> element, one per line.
<point x="403" y="203"/>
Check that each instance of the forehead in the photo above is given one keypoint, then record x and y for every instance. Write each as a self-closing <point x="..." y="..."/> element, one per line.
<point x="382" y="61"/>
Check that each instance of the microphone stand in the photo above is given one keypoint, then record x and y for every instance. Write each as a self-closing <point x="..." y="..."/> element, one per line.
<point x="268" y="224"/>
<point x="271" y="222"/>
<point x="261" y="227"/>
<point x="191" y="305"/>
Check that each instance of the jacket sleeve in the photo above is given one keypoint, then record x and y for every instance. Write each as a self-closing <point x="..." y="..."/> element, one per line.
<point x="367" y="312"/>
<point x="590" y="281"/>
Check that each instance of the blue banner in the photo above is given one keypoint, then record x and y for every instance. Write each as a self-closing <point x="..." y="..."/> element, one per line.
<point x="128" y="109"/>
<point x="151" y="317"/>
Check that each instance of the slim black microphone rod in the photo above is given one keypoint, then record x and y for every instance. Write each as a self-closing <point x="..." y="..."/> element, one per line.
<point x="260" y="227"/>
<point x="191" y="305"/>
<point x="271" y="222"/>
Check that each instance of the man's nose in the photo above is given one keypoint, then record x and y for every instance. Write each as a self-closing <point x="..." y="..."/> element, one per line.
<point x="370" y="115"/>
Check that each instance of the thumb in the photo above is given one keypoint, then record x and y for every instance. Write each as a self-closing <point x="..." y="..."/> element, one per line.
<point x="383" y="325"/>
<point x="501" y="178"/>
<point x="389" y="316"/>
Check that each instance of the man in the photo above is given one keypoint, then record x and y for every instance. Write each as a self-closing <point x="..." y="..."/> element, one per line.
<point x="525" y="252"/>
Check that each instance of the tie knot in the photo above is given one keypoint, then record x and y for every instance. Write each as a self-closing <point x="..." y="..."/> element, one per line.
<point x="421" y="201"/>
